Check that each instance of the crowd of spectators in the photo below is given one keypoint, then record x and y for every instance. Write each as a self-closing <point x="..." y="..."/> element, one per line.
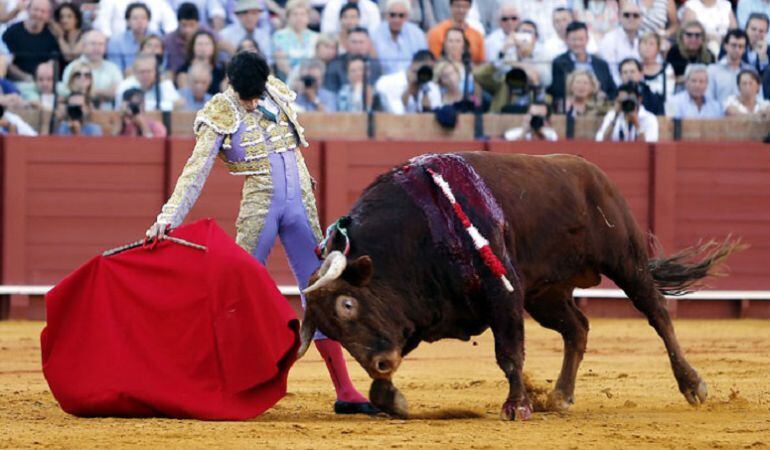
<point x="624" y="61"/>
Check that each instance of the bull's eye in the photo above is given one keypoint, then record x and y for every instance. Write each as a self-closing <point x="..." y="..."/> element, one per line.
<point x="346" y="307"/>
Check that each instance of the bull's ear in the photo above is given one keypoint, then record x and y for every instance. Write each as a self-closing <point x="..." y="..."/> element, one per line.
<point x="359" y="271"/>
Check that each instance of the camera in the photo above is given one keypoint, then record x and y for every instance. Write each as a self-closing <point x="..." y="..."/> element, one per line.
<point x="134" y="108"/>
<point x="517" y="81"/>
<point x="424" y="74"/>
<point x="75" y="112"/>
<point x="308" y="81"/>
<point x="536" y="122"/>
<point x="628" y="105"/>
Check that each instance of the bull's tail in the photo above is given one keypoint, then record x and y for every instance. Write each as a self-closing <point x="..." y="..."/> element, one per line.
<point x="683" y="272"/>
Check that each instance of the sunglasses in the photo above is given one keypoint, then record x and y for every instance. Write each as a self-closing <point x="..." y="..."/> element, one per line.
<point x="397" y="15"/>
<point x="509" y="18"/>
<point x="629" y="15"/>
<point x="82" y="74"/>
<point x="693" y="35"/>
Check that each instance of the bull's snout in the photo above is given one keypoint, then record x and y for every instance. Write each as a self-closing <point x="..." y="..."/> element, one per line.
<point x="384" y="365"/>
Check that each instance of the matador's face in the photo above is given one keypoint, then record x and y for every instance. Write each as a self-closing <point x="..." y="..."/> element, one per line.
<point x="250" y="104"/>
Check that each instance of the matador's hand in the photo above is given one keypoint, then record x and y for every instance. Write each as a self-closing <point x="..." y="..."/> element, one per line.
<point x="157" y="231"/>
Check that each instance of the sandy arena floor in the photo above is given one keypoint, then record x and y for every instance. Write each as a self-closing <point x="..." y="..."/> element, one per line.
<point x="626" y="397"/>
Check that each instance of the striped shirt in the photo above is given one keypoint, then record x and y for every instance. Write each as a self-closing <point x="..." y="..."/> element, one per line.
<point x="655" y="16"/>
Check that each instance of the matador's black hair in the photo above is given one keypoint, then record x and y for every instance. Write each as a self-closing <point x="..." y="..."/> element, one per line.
<point x="248" y="72"/>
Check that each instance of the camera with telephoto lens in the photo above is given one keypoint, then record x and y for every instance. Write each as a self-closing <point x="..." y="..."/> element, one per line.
<point x="134" y="108"/>
<point x="424" y="74"/>
<point x="517" y="81"/>
<point x="75" y="112"/>
<point x="628" y="105"/>
<point x="536" y="122"/>
<point x="308" y="81"/>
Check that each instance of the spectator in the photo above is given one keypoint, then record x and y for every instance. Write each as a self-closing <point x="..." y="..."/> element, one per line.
<point x="42" y="97"/>
<point x="75" y="121"/>
<point x="600" y="16"/>
<point x="557" y="43"/>
<point x="747" y="102"/>
<point x="396" y="40"/>
<point x="541" y="12"/>
<point x="459" y="10"/>
<point x="584" y="96"/>
<point x="716" y="16"/>
<point x="296" y="42"/>
<point x="211" y="12"/>
<point x="623" y="41"/>
<point x="629" y="121"/>
<point x="67" y="28"/>
<point x="122" y="47"/>
<point x="350" y="18"/>
<point x="113" y="16"/>
<point x="448" y="77"/>
<point x="631" y="72"/>
<point x="326" y="48"/>
<point x="330" y="18"/>
<point x="456" y="50"/>
<point x="106" y="75"/>
<point x="177" y="43"/>
<point x="748" y="7"/>
<point x="248" y="13"/>
<point x="499" y="43"/>
<point x="202" y="50"/>
<point x="11" y="124"/>
<point x="248" y="45"/>
<point x="690" y="48"/>
<point x="6" y="85"/>
<point x="308" y="84"/>
<point x="145" y="76"/>
<point x="31" y="41"/>
<point x="693" y="102"/>
<point x="656" y="14"/>
<point x="723" y="75"/>
<point x="357" y="90"/>
<point x="412" y="90"/>
<point x="528" y="56"/>
<point x="578" y="57"/>
<point x="337" y="70"/>
<point x="133" y="120"/>
<point x="657" y="75"/>
<point x="79" y="79"/>
<point x="196" y="94"/>
<point x="536" y="125"/>
<point x="757" y="52"/>
<point x="153" y="45"/>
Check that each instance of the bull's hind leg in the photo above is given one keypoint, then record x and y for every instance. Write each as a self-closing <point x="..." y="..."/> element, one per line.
<point x="506" y="311"/>
<point x="555" y="309"/>
<point x="640" y="288"/>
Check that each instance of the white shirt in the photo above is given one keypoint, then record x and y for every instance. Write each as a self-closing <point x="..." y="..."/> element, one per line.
<point x="541" y="12"/>
<point x="760" y="105"/>
<point x="22" y="127"/>
<point x="623" y="131"/>
<point x="330" y="20"/>
<point x="555" y="46"/>
<point x="615" y="47"/>
<point x="168" y="94"/>
<point x="518" y="134"/>
<point x="111" y="17"/>
<point x="391" y="88"/>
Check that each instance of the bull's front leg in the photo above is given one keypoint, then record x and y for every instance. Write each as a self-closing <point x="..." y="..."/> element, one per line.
<point x="507" y="323"/>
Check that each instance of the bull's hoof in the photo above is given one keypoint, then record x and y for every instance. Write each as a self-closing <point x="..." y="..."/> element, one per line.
<point x="512" y="411"/>
<point x="385" y="396"/>
<point x="697" y="394"/>
<point x="559" y="401"/>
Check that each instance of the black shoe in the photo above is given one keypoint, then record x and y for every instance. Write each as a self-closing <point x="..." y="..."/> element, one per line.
<point x="367" y="408"/>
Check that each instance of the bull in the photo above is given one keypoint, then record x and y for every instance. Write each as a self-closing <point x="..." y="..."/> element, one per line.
<point x="565" y="224"/>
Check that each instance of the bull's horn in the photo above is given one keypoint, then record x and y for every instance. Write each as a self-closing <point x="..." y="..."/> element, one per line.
<point x="332" y="268"/>
<point x="306" y="337"/>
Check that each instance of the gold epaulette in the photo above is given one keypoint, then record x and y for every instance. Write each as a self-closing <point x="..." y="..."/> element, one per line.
<point x="220" y="113"/>
<point x="279" y="89"/>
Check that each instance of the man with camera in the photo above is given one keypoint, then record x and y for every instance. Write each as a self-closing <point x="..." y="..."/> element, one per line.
<point x="134" y="122"/>
<point x="422" y="94"/>
<point x="536" y="125"/>
<point x="311" y="96"/>
<point x="629" y="121"/>
<point x="74" y="123"/>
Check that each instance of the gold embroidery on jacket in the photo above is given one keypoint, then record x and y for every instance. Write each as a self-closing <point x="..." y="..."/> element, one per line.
<point x="255" y="204"/>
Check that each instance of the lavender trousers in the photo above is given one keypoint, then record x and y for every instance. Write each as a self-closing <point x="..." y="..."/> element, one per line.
<point x="286" y="217"/>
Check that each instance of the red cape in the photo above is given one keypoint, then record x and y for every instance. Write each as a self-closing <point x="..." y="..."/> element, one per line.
<point x="170" y="331"/>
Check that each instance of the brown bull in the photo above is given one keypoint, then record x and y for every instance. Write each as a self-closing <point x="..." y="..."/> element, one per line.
<point x="565" y="224"/>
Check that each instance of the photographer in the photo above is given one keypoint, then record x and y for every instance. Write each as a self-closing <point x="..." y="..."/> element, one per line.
<point x="74" y="122"/>
<point x="422" y="94"/>
<point x="629" y="121"/>
<point x="311" y="96"/>
<point x="133" y="120"/>
<point x="537" y="126"/>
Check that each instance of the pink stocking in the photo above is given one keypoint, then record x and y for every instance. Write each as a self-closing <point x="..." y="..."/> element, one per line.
<point x="331" y="352"/>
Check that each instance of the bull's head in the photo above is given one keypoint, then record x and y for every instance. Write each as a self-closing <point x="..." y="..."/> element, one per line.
<point x="344" y="306"/>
